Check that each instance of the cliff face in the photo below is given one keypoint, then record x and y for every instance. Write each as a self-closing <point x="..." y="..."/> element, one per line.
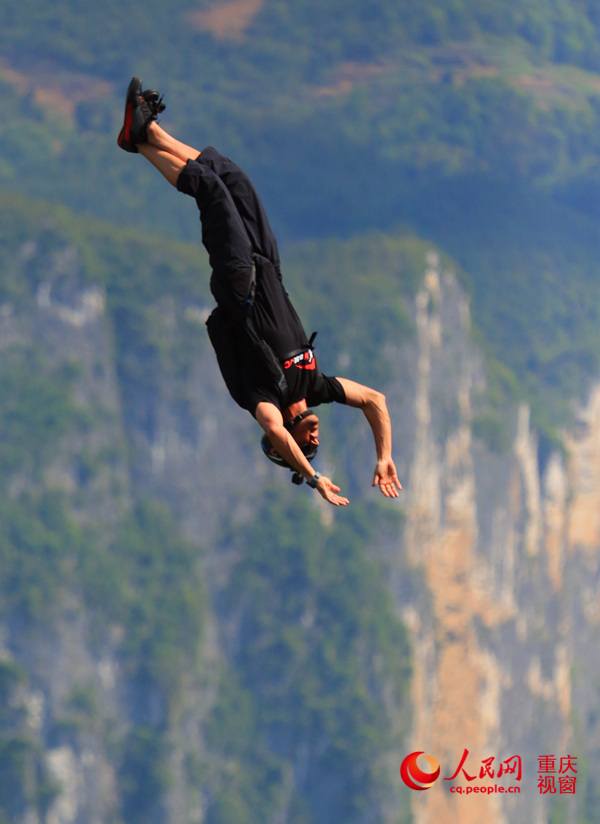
<point x="504" y="639"/>
<point x="493" y="572"/>
<point x="84" y="720"/>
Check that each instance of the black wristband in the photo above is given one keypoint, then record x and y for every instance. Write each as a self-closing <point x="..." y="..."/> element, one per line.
<point x="313" y="481"/>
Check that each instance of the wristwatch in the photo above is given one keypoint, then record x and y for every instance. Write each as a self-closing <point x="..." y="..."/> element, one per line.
<point x="313" y="481"/>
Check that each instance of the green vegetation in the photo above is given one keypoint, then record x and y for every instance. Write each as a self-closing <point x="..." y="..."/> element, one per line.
<point x="24" y="778"/>
<point x="36" y="409"/>
<point x="490" y="428"/>
<point x="471" y="124"/>
<point x="38" y="542"/>
<point x="140" y="578"/>
<point x="321" y="668"/>
<point x="43" y="549"/>
<point x="351" y="107"/>
<point x="159" y="592"/>
<point x="533" y="268"/>
<point x="304" y="37"/>
<point x="143" y="777"/>
<point x="366" y="126"/>
<point x="135" y="576"/>
<point x="371" y="276"/>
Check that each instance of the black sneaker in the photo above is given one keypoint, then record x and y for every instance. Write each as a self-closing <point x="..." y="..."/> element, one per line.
<point x="141" y="108"/>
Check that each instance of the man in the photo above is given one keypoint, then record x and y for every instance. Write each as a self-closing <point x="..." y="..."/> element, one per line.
<point x="264" y="355"/>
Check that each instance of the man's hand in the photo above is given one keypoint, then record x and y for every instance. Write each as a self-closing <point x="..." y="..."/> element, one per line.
<point x="374" y="407"/>
<point x="385" y="476"/>
<point x="328" y="490"/>
<point x="271" y="420"/>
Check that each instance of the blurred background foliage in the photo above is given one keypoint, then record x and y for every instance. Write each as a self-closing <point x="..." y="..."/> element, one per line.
<point x="374" y="132"/>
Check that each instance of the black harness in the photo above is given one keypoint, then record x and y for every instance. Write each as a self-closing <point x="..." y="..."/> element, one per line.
<point x="273" y="364"/>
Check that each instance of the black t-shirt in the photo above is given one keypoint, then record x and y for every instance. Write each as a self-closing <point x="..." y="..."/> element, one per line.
<point x="304" y="380"/>
<point x="276" y="322"/>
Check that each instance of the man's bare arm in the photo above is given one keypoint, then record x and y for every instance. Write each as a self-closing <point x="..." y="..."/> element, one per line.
<point x="271" y="420"/>
<point x="374" y="407"/>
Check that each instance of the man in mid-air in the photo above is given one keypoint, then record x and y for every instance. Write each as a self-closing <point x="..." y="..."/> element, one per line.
<point x="265" y="357"/>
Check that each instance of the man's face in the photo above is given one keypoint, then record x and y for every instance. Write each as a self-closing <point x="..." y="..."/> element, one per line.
<point x="306" y="433"/>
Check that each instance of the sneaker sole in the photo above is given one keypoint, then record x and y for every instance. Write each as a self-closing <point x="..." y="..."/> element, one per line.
<point x="134" y="92"/>
<point x="124" y="144"/>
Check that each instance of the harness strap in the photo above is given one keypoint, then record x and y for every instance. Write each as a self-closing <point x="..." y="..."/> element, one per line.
<point x="302" y="349"/>
<point x="249" y="302"/>
<point x="269" y="359"/>
<point x="266" y="354"/>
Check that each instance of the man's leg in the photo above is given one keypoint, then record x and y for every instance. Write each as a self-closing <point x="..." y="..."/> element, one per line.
<point x="170" y="156"/>
<point x="166" y="153"/>
<point x="223" y="232"/>
<point x="141" y="133"/>
<point x="247" y="202"/>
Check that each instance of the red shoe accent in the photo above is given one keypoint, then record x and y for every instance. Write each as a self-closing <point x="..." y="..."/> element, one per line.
<point x="123" y="144"/>
<point x="128" y="119"/>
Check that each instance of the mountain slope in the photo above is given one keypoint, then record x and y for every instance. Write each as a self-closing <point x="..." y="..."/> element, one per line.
<point x="140" y="532"/>
<point x="186" y="636"/>
<point x="298" y="96"/>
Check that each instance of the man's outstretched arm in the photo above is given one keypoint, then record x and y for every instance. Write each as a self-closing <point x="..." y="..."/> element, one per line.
<point x="271" y="420"/>
<point x="375" y="410"/>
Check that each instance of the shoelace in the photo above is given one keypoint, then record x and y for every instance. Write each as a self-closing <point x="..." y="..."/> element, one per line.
<point x="154" y="101"/>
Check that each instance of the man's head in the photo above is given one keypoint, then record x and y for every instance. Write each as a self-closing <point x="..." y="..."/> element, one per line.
<point x="304" y="429"/>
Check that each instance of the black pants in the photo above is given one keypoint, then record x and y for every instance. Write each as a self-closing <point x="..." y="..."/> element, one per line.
<point x="234" y="225"/>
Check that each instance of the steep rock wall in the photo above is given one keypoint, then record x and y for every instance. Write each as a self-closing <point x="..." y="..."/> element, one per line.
<point x="502" y="624"/>
<point x="495" y="570"/>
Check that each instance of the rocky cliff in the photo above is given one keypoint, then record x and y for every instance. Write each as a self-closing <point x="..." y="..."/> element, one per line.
<point x="505" y="630"/>
<point x="109" y="707"/>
